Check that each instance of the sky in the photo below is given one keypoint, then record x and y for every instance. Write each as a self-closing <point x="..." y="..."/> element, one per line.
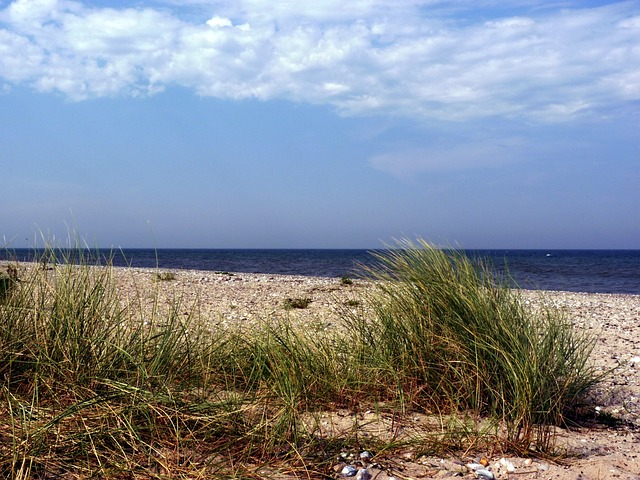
<point x="320" y="123"/>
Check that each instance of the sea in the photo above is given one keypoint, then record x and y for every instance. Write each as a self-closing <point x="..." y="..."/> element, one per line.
<point x="591" y="271"/>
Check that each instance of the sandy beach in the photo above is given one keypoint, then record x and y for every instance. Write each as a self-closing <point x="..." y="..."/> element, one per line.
<point x="597" y="451"/>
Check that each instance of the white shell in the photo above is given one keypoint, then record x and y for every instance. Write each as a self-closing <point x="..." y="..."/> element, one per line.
<point x="484" y="474"/>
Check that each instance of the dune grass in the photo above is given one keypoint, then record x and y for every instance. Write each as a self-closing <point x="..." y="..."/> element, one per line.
<point x="96" y="386"/>
<point x="459" y="340"/>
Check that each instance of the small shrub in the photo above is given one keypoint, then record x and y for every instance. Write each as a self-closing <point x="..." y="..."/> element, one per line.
<point x="346" y="280"/>
<point x="352" y="303"/>
<point x="166" y="276"/>
<point x="299" y="303"/>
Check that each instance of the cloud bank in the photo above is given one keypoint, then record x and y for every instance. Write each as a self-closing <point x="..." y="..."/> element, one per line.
<point x="414" y="59"/>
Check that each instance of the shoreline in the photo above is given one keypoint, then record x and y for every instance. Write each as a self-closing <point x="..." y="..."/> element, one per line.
<point x="264" y="277"/>
<point x="579" y="271"/>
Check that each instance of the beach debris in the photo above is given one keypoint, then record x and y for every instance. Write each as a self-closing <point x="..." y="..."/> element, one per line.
<point x="349" y="471"/>
<point x="508" y="465"/>
<point x="480" y="471"/>
<point x="484" y="474"/>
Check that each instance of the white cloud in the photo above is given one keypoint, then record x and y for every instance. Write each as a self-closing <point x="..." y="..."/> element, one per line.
<point x="285" y="11"/>
<point x="14" y="67"/>
<point x="219" y="22"/>
<point x="411" y="58"/>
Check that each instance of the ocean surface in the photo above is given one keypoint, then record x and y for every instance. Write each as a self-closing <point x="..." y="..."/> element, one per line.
<point x="594" y="271"/>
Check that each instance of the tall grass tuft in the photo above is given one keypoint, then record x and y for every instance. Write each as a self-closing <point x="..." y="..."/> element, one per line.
<point x="454" y="339"/>
<point x="87" y="378"/>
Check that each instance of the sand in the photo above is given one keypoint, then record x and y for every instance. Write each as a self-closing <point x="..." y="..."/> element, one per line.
<point x="595" y="452"/>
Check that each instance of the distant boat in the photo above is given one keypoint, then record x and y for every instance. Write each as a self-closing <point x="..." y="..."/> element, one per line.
<point x="548" y="254"/>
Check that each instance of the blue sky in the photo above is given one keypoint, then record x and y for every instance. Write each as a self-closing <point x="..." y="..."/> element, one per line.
<point x="320" y="124"/>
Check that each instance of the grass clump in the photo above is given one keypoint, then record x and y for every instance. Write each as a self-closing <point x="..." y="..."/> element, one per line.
<point x="166" y="276"/>
<point x="346" y="280"/>
<point x="92" y="385"/>
<point x="300" y="303"/>
<point x="454" y="339"/>
<point x="88" y="386"/>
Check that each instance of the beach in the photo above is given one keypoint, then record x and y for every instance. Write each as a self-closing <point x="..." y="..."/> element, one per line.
<point x="598" y="450"/>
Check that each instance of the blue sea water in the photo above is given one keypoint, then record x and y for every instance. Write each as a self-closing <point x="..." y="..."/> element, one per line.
<point x="594" y="271"/>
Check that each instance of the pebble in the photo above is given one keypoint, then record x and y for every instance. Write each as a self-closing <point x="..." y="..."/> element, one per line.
<point x="366" y="455"/>
<point x="363" y="474"/>
<point x="508" y="465"/>
<point x="349" y="471"/>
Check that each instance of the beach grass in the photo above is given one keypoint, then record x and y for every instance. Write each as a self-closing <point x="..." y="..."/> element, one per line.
<point x="460" y="341"/>
<point x="97" y="385"/>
